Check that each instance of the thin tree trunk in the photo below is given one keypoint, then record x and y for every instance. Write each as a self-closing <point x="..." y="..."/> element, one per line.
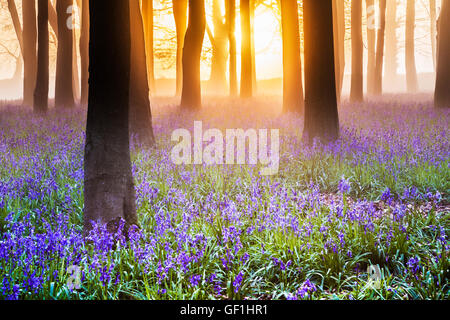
<point x="76" y="77"/>
<point x="147" y="13"/>
<point x="321" y="113"/>
<point x="371" y="51"/>
<point x="292" y="68"/>
<point x="380" y="49"/>
<point x="64" y="97"/>
<point x="433" y="31"/>
<point x="357" y="86"/>
<point x="252" y="38"/>
<point x="231" y="22"/>
<point x="218" y="80"/>
<point x="391" y="41"/>
<point x="339" y="43"/>
<point x="410" y="62"/>
<point x="53" y="18"/>
<point x="191" y="96"/>
<point x="140" y="117"/>
<point x="108" y="183"/>
<point x="180" y="15"/>
<point x="442" y="90"/>
<point x="29" y="51"/>
<point x="84" y="52"/>
<point x="16" y="23"/>
<point x="246" y="51"/>
<point x="42" y="78"/>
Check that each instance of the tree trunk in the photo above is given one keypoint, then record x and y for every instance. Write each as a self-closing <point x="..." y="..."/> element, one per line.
<point x="218" y="80"/>
<point x="16" y="23"/>
<point x="108" y="183"/>
<point x="40" y="103"/>
<point x="29" y="51"/>
<point x="191" y="96"/>
<point x="140" y="117"/>
<point x="180" y="15"/>
<point x="292" y="68"/>
<point x="442" y="91"/>
<point x="371" y="53"/>
<point x="147" y="13"/>
<point x="231" y="22"/>
<point x="410" y="62"/>
<point x="391" y="41"/>
<point x="339" y="43"/>
<point x="433" y="32"/>
<point x="252" y="38"/>
<point x="321" y="113"/>
<point x="53" y="17"/>
<point x="246" y="51"/>
<point x="76" y="76"/>
<point x="380" y="50"/>
<point x="357" y="87"/>
<point x="84" y="52"/>
<point x="64" y="97"/>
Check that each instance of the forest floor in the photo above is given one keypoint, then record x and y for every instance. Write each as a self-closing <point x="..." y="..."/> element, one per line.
<point x="375" y="200"/>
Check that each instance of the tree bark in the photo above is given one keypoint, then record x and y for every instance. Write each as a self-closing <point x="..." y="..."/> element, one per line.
<point x="371" y="51"/>
<point x="147" y="13"/>
<point x="191" y="96"/>
<point x="378" y="86"/>
<point x="357" y="86"/>
<point x="321" y="113"/>
<point x="442" y="90"/>
<point x="64" y="97"/>
<point x="29" y="51"/>
<point x="231" y="22"/>
<point x="339" y="43"/>
<point x="246" y="51"/>
<point x="433" y="31"/>
<point x="292" y="68"/>
<point x="84" y="52"/>
<point x="218" y="80"/>
<point x="140" y="117"/>
<point x="40" y="103"/>
<point x="108" y="183"/>
<point x="16" y="23"/>
<point x="410" y="62"/>
<point x="391" y="41"/>
<point x="180" y="15"/>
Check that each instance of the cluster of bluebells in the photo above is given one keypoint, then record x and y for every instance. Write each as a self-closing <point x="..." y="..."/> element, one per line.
<point x="41" y="179"/>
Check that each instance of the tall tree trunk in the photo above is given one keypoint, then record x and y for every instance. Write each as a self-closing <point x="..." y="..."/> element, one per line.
<point x="371" y="51"/>
<point x="391" y="41"/>
<point x="253" y="4"/>
<point x="53" y="17"/>
<point x="108" y="183"/>
<point x="292" y="68"/>
<point x="410" y="62"/>
<point x="147" y="13"/>
<point x="380" y="49"/>
<point x="140" y="117"/>
<point x="180" y="15"/>
<point x="191" y="96"/>
<point x="84" y="52"/>
<point x="442" y="90"/>
<point x="64" y="97"/>
<point x="76" y="76"/>
<point x="16" y="23"/>
<point x="246" y="51"/>
<point x="231" y="22"/>
<point x="218" y="80"/>
<point x="357" y="87"/>
<point x="433" y="32"/>
<point x="40" y="103"/>
<point x="29" y="51"/>
<point x="321" y="113"/>
<point x="339" y="43"/>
